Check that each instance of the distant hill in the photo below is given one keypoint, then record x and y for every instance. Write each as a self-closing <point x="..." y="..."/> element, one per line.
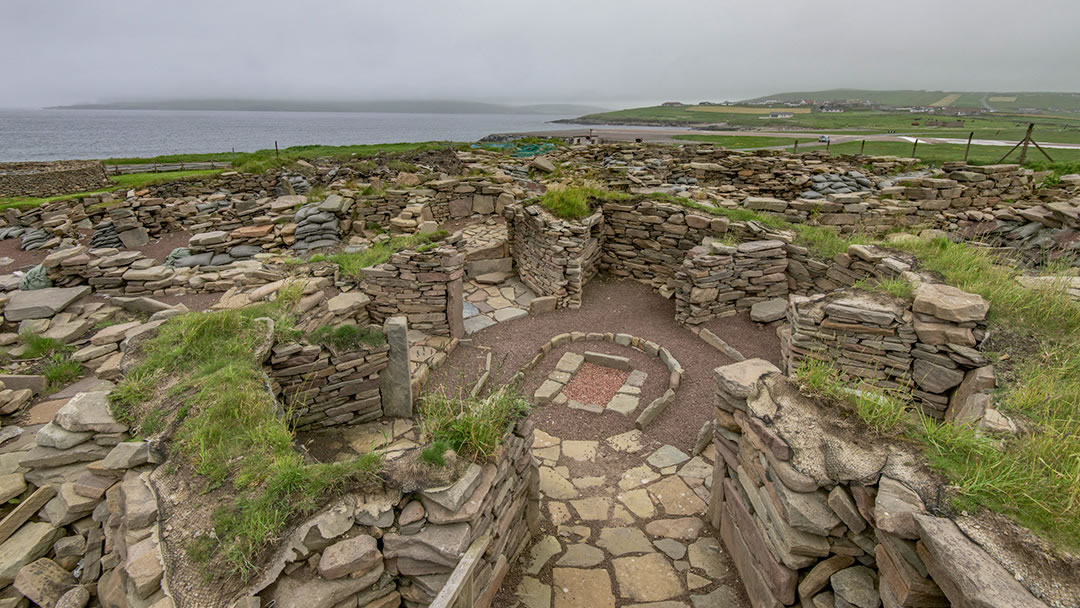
<point x="1000" y="101"/>
<point x="413" y="106"/>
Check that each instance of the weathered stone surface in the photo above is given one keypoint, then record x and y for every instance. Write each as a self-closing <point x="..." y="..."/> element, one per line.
<point x="354" y="556"/>
<point x="679" y="528"/>
<point x="313" y="592"/>
<point x="818" y="576"/>
<point x="808" y="512"/>
<point x="896" y="507"/>
<point x="582" y="588"/>
<point x="935" y="378"/>
<point x="768" y="310"/>
<point x="127" y="455"/>
<point x="580" y="556"/>
<point x="965" y="572"/>
<point x="451" y="497"/>
<point x="89" y="412"/>
<point x="676" y="497"/>
<point x="739" y="379"/>
<point x="949" y="303"/>
<point x="55" y="436"/>
<point x="620" y="541"/>
<point x="667" y="456"/>
<point x="856" y="586"/>
<point x="646" y="578"/>
<point x="42" y="303"/>
<point x="44" y="582"/>
<point x="30" y="542"/>
<point x="395" y="381"/>
<point x="442" y="545"/>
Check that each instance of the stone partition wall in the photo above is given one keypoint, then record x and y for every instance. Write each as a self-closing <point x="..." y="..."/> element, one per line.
<point x="820" y="517"/>
<point x="321" y="386"/>
<point x="44" y="179"/>
<point x="925" y="345"/>
<point x="648" y="240"/>
<point x="424" y="285"/>
<point x="555" y="257"/>
<point x="721" y="280"/>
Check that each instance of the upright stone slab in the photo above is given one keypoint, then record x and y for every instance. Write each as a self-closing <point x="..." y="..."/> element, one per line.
<point x="455" y="302"/>
<point x="396" y="379"/>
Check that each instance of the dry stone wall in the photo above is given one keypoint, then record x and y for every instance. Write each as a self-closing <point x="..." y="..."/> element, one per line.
<point x="44" y="179"/>
<point x="721" y="280"/>
<point x="828" y="519"/>
<point x="555" y="257"/>
<point x="424" y="285"/>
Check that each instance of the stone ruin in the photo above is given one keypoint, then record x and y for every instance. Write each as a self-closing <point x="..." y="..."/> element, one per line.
<point x="809" y="513"/>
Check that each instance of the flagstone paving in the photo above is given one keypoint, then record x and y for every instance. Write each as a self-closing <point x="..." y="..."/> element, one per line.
<point x="634" y="536"/>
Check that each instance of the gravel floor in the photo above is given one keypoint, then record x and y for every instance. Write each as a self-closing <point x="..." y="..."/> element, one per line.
<point x="595" y="384"/>
<point x="616" y="306"/>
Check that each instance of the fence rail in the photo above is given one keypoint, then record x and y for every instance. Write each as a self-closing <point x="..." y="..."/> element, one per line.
<point x="460" y="589"/>
<point x="163" y="167"/>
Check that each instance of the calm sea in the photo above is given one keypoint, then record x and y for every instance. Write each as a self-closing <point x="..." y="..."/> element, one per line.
<point x="68" y="134"/>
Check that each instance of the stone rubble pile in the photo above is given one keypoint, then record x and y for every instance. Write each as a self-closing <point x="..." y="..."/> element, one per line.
<point x="316" y="227"/>
<point x="837" y="183"/>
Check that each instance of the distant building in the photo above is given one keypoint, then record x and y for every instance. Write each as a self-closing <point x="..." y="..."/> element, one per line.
<point x="781" y="114"/>
<point x="673" y="104"/>
<point x="831" y="109"/>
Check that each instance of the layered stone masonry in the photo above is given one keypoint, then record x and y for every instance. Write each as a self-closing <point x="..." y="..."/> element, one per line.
<point x="424" y="285"/>
<point x="115" y="272"/>
<point x="322" y="386"/>
<point x="43" y="179"/>
<point x="93" y="522"/>
<point x="833" y="519"/>
<point x="445" y="199"/>
<point x="555" y="257"/>
<point x="926" y="346"/>
<point x="720" y="280"/>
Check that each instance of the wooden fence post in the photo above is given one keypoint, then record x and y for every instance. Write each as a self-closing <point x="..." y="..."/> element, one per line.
<point x="968" y="148"/>
<point x="862" y="147"/>
<point x="914" y="146"/>
<point x="796" y="150"/>
<point x="277" y="153"/>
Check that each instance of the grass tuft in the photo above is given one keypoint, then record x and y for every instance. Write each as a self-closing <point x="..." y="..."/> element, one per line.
<point x="352" y="264"/>
<point x="347" y="337"/>
<point x="898" y="287"/>
<point x="574" y="203"/>
<point x="472" y="426"/>
<point x="228" y="431"/>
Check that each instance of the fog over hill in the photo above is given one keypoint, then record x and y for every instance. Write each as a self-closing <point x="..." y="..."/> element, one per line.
<point x="408" y="106"/>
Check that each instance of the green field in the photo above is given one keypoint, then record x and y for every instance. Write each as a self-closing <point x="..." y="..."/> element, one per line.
<point x="1043" y="101"/>
<point x="939" y="153"/>
<point x="261" y="160"/>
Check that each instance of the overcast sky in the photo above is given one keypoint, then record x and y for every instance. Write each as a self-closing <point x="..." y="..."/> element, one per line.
<point x="606" y="52"/>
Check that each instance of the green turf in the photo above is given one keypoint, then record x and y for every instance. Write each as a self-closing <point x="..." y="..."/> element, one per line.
<point x="736" y="142"/>
<point x="121" y="182"/>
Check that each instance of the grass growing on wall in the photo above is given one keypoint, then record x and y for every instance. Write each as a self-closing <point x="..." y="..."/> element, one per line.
<point x="228" y="431"/>
<point x="353" y="264"/>
<point x="573" y="202"/>
<point x="471" y="426"/>
<point x="1033" y="477"/>
<point x="128" y="181"/>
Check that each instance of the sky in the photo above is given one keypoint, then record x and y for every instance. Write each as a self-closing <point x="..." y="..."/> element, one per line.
<point x="611" y="53"/>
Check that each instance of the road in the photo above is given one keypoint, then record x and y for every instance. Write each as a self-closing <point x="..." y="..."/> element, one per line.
<point x="806" y="138"/>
